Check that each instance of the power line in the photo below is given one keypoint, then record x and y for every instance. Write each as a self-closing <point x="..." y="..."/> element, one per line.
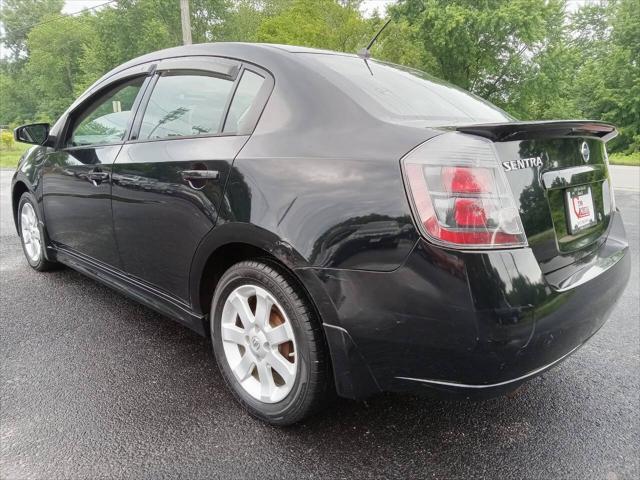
<point x="59" y="17"/>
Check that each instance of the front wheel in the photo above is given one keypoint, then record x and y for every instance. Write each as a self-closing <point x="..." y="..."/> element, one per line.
<point x="31" y="234"/>
<point x="268" y="344"/>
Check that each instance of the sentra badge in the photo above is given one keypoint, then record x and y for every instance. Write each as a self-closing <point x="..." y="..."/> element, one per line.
<point x="522" y="163"/>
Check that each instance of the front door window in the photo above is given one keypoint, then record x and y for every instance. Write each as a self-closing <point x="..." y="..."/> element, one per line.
<point x="106" y="120"/>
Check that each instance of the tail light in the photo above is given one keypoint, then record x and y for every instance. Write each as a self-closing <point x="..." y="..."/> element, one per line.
<point x="460" y="194"/>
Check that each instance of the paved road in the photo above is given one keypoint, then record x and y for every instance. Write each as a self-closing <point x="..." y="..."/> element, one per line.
<point x="94" y="385"/>
<point x="625" y="178"/>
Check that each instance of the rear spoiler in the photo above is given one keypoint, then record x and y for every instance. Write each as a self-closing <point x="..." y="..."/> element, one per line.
<point x="502" y="132"/>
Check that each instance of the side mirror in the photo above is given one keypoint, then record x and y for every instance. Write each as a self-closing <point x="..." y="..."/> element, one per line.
<point x="35" y="133"/>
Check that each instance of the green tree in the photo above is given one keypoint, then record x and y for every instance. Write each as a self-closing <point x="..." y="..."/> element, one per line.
<point x="397" y="44"/>
<point x="608" y="79"/>
<point x="321" y="24"/>
<point x="483" y="46"/>
<point x="547" y="89"/>
<point x="18" y="17"/>
<point x="126" y="31"/>
<point x="8" y="105"/>
<point x="53" y="68"/>
<point x="245" y="17"/>
<point x="135" y="27"/>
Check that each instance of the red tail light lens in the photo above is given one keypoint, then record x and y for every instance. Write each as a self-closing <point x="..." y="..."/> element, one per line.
<point x="460" y="194"/>
<point x="469" y="212"/>
<point x="467" y="179"/>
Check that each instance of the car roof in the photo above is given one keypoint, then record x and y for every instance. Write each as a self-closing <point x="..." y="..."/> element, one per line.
<point x="305" y="106"/>
<point x="265" y="55"/>
<point x="281" y="61"/>
<point x="217" y="48"/>
<point x="298" y="49"/>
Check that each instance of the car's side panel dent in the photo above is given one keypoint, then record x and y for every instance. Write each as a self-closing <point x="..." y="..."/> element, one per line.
<point x="338" y="213"/>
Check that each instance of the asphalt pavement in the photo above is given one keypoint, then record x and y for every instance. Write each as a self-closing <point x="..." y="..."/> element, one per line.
<point x="93" y="385"/>
<point x="625" y="177"/>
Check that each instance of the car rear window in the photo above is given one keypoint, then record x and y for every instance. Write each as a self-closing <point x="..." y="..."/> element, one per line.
<point x="407" y="94"/>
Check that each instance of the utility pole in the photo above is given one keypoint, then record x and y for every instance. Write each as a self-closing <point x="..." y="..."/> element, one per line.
<point x="186" y="22"/>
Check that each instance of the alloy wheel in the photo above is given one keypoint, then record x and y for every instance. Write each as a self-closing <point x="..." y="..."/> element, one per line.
<point x="259" y="343"/>
<point x="30" y="232"/>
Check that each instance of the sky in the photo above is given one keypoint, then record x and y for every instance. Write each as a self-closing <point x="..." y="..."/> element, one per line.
<point x="73" y="6"/>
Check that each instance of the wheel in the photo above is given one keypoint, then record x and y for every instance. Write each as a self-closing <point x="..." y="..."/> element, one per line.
<point x="268" y="344"/>
<point x="31" y="235"/>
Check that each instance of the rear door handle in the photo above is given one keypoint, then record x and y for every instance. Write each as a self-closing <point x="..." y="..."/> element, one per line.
<point x="97" y="177"/>
<point x="197" y="179"/>
<point x="189" y="175"/>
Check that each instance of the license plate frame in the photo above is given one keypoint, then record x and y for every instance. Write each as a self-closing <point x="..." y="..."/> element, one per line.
<point x="580" y="208"/>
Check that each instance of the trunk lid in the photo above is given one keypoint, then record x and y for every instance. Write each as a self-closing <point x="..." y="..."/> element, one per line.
<point x="558" y="173"/>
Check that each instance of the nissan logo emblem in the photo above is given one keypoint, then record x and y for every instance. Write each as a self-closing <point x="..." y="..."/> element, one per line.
<point x="584" y="150"/>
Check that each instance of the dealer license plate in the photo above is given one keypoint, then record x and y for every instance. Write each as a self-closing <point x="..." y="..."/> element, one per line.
<point x="581" y="214"/>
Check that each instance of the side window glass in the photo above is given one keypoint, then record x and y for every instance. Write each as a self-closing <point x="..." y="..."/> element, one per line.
<point x="248" y="88"/>
<point x="184" y="105"/>
<point x="106" y="119"/>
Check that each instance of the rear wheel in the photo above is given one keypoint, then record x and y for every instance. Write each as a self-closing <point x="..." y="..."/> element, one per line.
<point x="268" y="345"/>
<point x="31" y="235"/>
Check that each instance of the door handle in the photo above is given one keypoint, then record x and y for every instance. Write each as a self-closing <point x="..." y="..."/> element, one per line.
<point x="197" y="179"/>
<point x="97" y="177"/>
<point x="189" y="175"/>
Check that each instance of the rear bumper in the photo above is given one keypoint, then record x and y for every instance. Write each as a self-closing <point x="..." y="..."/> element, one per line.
<point x="471" y="322"/>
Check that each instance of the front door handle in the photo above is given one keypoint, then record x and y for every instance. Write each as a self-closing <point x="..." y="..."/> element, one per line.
<point x="97" y="177"/>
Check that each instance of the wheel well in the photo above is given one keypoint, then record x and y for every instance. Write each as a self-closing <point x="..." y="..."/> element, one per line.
<point x="18" y="189"/>
<point x="226" y="256"/>
<point x="230" y="254"/>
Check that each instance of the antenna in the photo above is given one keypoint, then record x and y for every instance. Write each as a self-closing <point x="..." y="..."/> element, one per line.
<point x="365" y="53"/>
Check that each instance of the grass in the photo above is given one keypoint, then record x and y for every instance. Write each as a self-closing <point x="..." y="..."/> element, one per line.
<point x="9" y="157"/>
<point x="632" y="159"/>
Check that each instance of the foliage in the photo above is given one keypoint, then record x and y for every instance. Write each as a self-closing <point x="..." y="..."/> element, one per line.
<point x="608" y="83"/>
<point x="52" y="68"/>
<point x="9" y="156"/>
<point x="531" y="57"/>
<point x="6" y="139"/>
<point x="245" y="17"/>
<point x="136" y="27"/>
<point x="17" y="16"/>
<point x="323" y="23"/>
<point x="481" y="45"/>
<point x="631" y="159"/>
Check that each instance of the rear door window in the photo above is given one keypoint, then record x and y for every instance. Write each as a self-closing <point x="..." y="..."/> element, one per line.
<point x="185" y="105"/>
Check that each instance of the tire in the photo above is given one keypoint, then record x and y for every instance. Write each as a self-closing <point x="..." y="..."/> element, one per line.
<point x="32" y="234"/>
<point x="264" y="393"/>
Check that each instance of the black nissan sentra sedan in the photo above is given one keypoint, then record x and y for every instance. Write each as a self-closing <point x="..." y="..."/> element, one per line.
<point x="335" y="223"/>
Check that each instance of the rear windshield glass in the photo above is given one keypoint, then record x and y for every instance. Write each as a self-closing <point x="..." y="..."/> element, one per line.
<point x="407" y="94"/>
